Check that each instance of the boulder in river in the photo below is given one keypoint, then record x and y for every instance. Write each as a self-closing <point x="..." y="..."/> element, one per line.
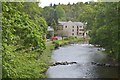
<point x="56" y="47"/>
<point x="93" y="63"/>
<point x="63" y="63"/>
<point x="105" y="64"/>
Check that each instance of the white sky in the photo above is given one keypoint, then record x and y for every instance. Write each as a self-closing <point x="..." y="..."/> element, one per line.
<point x="48" y="2"/>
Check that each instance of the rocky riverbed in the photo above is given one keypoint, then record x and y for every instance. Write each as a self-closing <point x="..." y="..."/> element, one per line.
<point x="81" y="61"/>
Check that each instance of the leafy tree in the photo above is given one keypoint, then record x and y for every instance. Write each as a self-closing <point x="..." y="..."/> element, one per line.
<point x="48" y="14"/>
<point x="60" y="12"/>
<point x="23" y="41"/>
<point x="102" y="21"/>
<point x="105" y="30"/>
<point x="87" y="15"/>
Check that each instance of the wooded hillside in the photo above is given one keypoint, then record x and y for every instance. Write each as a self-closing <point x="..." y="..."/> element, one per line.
<point x="24" y="26"/>
<point x="101" y="17"/>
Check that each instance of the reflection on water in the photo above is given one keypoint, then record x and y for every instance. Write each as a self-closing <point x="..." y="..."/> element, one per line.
<point x="84" y="54"/>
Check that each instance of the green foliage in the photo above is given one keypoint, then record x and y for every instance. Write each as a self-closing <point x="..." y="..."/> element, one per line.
<point x="105" y="29"/>
<point x="22" y="65"/>
<point x="102" y="22"/>
<point x="60" y="12"/>
<point x="19" y="29"/>
<point x="70" y="38"/>
<point x="23" y="41"/>
<point x="67" y="41"/>
<point x="52" y="14"/>
<point x="49" y="14"/>
<point x="87" y="15"/>
<point x="23" y="44"/>
<point x="26" y="65"/>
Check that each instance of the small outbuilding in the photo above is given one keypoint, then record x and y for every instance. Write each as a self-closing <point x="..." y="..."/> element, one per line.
<point x="50" y="32"/>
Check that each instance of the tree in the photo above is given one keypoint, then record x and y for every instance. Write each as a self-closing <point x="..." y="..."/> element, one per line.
<point x="105" y="30"/>
<point x="87" y="15"/>
<point x="48" y="14"/>
<point x="22" y="39"/>
<point x="60" y="12"/>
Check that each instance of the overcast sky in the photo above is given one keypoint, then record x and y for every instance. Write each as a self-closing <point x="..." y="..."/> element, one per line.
<point x="47" y="2"/>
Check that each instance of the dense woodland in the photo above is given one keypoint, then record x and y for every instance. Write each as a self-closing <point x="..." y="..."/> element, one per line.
<point x="102" y="21"/>
<point x="24" y="26"/>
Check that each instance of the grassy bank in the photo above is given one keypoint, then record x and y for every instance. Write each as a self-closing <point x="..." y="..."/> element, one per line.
<point x="43" y="61"/>
<point x="31" y="64"/>
<point x="23" y="64"/>
<point x="45" y="58"/>
<point x="66" y="41"/>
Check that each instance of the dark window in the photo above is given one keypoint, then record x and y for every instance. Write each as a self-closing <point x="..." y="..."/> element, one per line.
<point x="65" y="26"/>
<point x="80" y="33"/>
<point x="72" y="26"/>
<point x="80" y="26"/>
<point x="73" y="30"/>
<point x="81" y="29"/>
<point x="83" y="34"/>
<point x="77" y="27"/>
<point x="72" y="33"/>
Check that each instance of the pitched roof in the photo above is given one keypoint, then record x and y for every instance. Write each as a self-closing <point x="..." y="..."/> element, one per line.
<point x="50" y="28"/>
<point x="72" y="23"/>
<point x="62" y="23"/>
<point x="79" y="23"/>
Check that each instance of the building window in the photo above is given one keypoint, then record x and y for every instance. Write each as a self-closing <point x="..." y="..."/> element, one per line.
<point x="72" y="33"/>
<point x="83" y="34"/>
<point x="80" y="33"/>
<point x="65" y="26"/>
<point x="73" y="30"/>
<point x="80" y="26"/>
<point x="77" y="27"/>
<point x="72" y="26"/>
<point x="81" y="29"/>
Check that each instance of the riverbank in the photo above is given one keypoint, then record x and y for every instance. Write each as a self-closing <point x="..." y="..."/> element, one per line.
<point x="45" y="58"/>
<point x="66" y="41"/>
<point x="84" y="57"/>
<point x="22" y="64"/>
<point x="112" y="58"/>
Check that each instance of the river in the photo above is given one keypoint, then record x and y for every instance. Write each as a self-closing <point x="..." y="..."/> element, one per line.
<point x="83" y="54"/>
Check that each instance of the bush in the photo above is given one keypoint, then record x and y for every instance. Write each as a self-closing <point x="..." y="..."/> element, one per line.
<point x="20" y="33"/>
<point x="66" y="41"/>
<point x="70" y="38"/>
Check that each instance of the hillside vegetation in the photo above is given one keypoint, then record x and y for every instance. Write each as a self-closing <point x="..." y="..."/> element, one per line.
<point x="102" y="20"/>
<point x="24" y="25"/>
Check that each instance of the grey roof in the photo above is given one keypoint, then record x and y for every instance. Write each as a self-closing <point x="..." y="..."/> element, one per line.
<point x="50" y="28"/>
<point x="72" y="23"/>
<point x="62" y="23"/>
<point x="79" y="23"/>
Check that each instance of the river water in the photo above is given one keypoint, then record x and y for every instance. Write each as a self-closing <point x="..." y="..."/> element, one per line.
<point x="83" y="54"/>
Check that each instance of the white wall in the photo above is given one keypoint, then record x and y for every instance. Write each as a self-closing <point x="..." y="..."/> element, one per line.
<point x="70" y="28"/>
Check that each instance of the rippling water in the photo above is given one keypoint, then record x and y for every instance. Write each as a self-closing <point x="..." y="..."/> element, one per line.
<point x="83" y="54"/>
